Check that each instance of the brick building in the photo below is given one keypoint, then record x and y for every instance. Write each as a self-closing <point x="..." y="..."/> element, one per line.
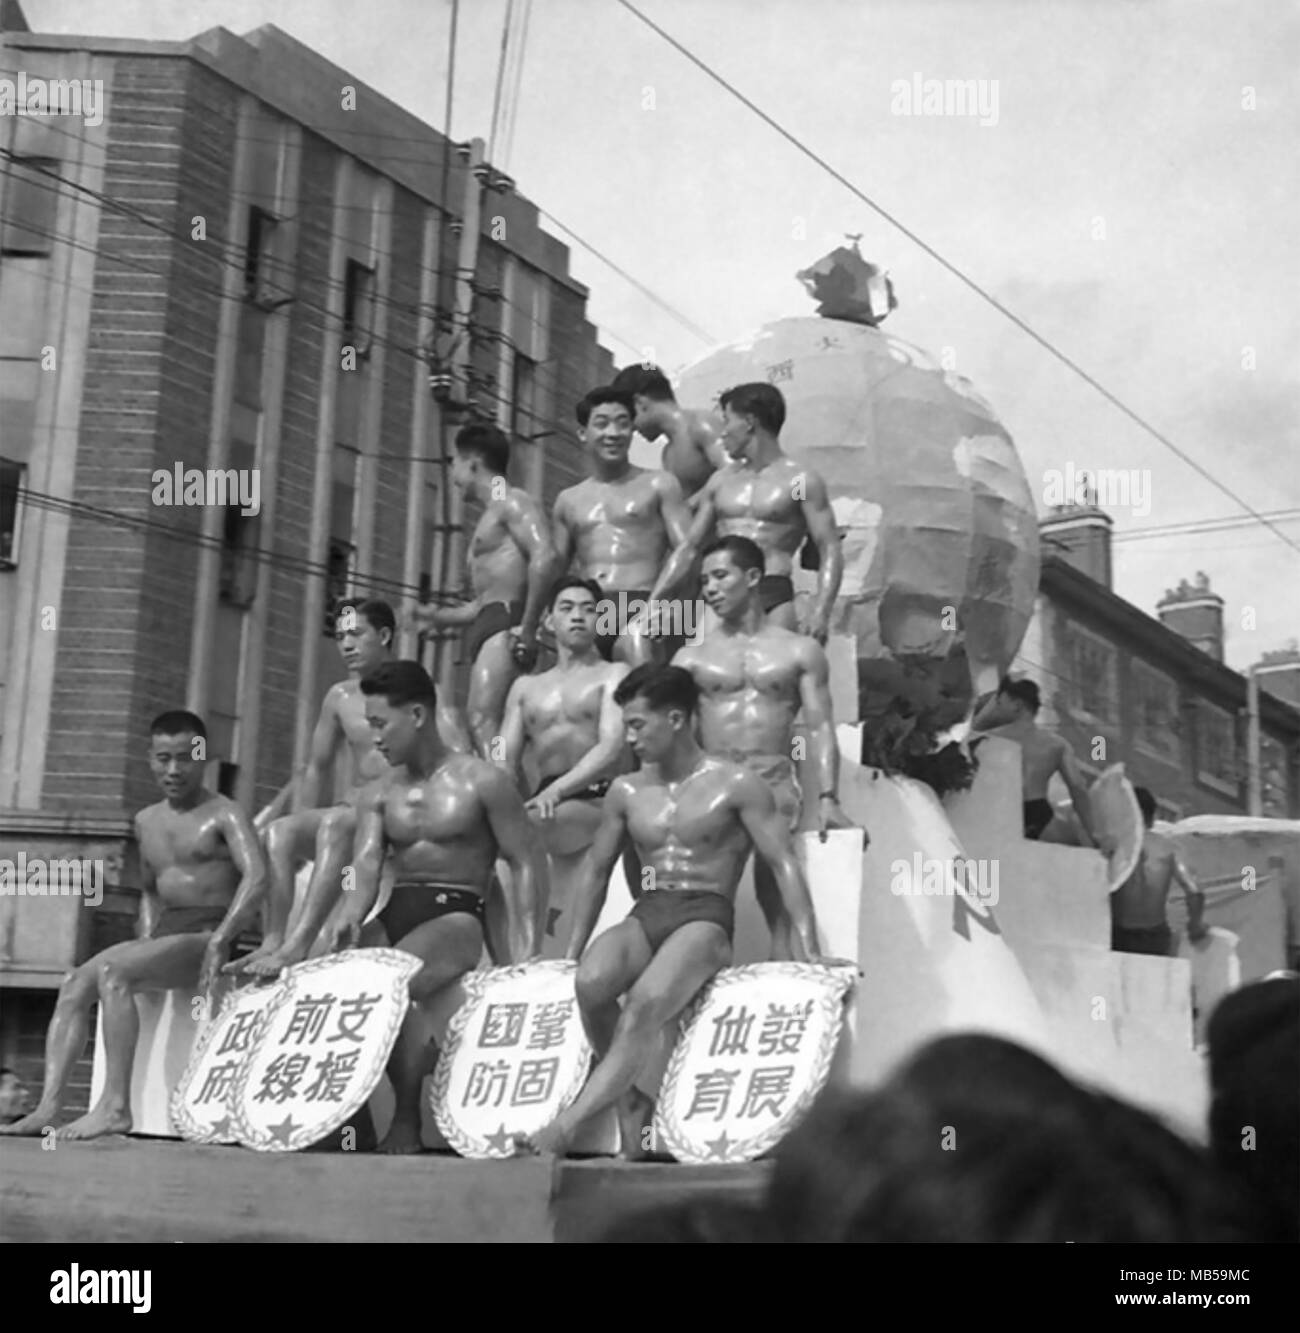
<point x="1154" y="691"/>
<point x="244" y="260"/>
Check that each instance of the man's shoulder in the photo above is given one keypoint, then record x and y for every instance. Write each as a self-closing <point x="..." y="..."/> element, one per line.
<point x="150" y="814"/>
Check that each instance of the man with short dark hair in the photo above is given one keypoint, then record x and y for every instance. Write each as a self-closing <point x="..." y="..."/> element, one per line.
<point x="202" y="884"/>
<point x="324" y="831"/>
<point x="1137" y="907"/>
<point x="772" y="500"/>
<point x="618" y="526"/>
<point x="511" y="567"/>
<point x="694" y="820"/>
<point x="755" y="679"/>
<point x="692" y="449"/>
<point x="1010" y="714"/>
<point x="13" y="1097"/>
<point x="442" y="819"/>
<point x="566" y="723"/>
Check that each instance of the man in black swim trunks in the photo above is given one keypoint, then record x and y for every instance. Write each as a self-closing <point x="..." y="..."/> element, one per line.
<point x="694" y="820"/>
<point x="443" y="818"/>
<point x="511" y="568"/>
<point x="202" y="882"/>
<point x="769" y="498"/>
<point x="565" y="725"/>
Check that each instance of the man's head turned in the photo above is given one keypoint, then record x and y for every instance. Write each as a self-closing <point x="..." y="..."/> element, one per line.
<point x="658" y="703"/>
<point x="731" y="568"/>
<point x="1021" y="694"/>
<point x="482" y="453"/>
<point x="364" y="630"/>
<point x="749" y="410"/>
<point x="574" y="608"/>
<point x="13" y="1096"/>
<point x="651" y="393"/>
<point x="401" y="705"/>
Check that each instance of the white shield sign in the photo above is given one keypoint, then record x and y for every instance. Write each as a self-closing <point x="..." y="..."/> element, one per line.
<point x="323" y="1047"/>
<point x="515" y="1057"/>
<point x="203" y="1104"/>
<point x="755" y="1050"/>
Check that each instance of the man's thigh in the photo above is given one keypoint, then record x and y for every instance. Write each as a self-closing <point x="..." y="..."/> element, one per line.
<point x="298" y="831"/>
<point x="689" y="957"/>
<point x="493" y="673"/>
<point x="448" y="947"/>
<point x="165" y="964"/>
<point x="614" y="960"/>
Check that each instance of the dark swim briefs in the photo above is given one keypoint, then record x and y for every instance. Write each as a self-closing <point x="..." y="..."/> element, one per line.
<point x="187" y="920"/>
<point x="661" y="912"/>
<point x="775" y="590"/>
<point x="593" y="791"/>
<point x="411" y="905"/>
<point x="615" y="606"/>
<point x="1038" y="815"/>
<point x="1156" y="940"/>
<point x="491" y="619"/>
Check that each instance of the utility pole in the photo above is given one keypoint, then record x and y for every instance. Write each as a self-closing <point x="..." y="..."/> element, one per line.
<point x="1254" y="787"/>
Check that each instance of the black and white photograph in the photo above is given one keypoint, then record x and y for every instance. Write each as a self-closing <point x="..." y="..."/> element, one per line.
<point x="650" y="621"/>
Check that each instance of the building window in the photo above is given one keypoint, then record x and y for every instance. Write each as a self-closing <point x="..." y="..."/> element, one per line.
<point x="11" y="480"/>
<point x="358" y="307"/>
<point x="1156" y="720"/>
<point x="1217" y="763"/>
<point x="1094" y="687"/>
<point x="31" y="202"/>
<point x="342" y="553"/>
<point x="523" y="400"/>
<point x="1275" y="783"/>
<point x="266" y="275"/>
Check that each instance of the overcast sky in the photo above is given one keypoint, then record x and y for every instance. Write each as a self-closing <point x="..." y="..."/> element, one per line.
<point x="1127" y="203"/>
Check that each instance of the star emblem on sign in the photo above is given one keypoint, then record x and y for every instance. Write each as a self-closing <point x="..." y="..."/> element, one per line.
<point x="501" y="1141"/>
<point x="718" y="1147"/>
<point x="282" y="1132"/>
<point x="220" y="1128"/>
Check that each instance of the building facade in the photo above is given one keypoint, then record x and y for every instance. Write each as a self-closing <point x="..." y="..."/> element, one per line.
<point x="1151" y="692"/>
<point x="245" y="264"/>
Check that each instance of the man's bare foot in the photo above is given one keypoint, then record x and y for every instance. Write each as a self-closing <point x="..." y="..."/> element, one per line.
<point x="403" y="1137"/>
<point x="552" y="1141"/>
<point x="97" y="1122"/>
<point x="269" y="945"/>
<point x="634" y="1113"/>
<point x="35" y="1122"/>
<point x="272" y="964"/>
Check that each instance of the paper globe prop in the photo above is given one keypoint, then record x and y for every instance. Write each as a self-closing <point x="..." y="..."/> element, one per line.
<point x="938" y="525"/>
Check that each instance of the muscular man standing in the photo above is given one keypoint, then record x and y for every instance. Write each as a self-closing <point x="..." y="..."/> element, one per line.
<point x="618" y="526"/>
<point x="1137" y="907"/>
<point x="203" y="882"/>
<point x="772" y="500"/>
<point x="1011" y="713"/>
<point x="753" y="679"/>
<point x="511" y="568"/>
<point x="693" y="451"/>
<point x="364" y="633"/>
<point x="443" y="819"/>
<point x="694" y="820"/>
<point x="566" y="721"/>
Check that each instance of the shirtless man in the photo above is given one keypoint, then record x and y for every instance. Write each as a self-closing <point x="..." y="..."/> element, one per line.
<point x="694" y="819"/>
<point x="202" y="882"/>
<point x="693" y="452"/>
<point x="511" y="568"/>
<point x="567" y="722"/>
<point x="618" y="526"/>
<point x="364" y="633"/>
<point x="442" y="819"/>
<point x="1137" y="907"/>
<point x="1010" y="713"/>
<point x="753" y="679"/>
<point x="772" y="500"/>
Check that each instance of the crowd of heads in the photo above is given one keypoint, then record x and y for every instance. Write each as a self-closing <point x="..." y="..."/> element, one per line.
<point x="977" y="1139"/>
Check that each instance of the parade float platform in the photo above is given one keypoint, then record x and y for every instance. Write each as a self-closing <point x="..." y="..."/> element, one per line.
<point x="159" y="1190"/>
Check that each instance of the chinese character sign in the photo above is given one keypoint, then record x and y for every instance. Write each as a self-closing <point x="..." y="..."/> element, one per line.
<point x="203" y="1103"/>
<point x="322" y="1048"/>
<point x="754" y="1052"/>
<point x="516" y="1056"/>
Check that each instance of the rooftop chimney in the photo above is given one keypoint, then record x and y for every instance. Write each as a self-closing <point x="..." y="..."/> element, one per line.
<point x="1080" y="535"/>
<point x="1279" y="673"/>
<point x="1196" y="613"/>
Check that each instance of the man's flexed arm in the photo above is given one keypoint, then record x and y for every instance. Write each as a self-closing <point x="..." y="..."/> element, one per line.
<point x="685" y="553"/>
<point x="529" y="889"/>
<point x="367" y="862"/>
<point x="597" y="866"/>
<point x="150" y="905"/>
<point x="528" y="530"/>
<point x="561" y="536"/>
<point x="246" y="855"/>
<point x="597" y="762"/>
<point x="819" y="518"/>
<point x="772" y="844"/>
